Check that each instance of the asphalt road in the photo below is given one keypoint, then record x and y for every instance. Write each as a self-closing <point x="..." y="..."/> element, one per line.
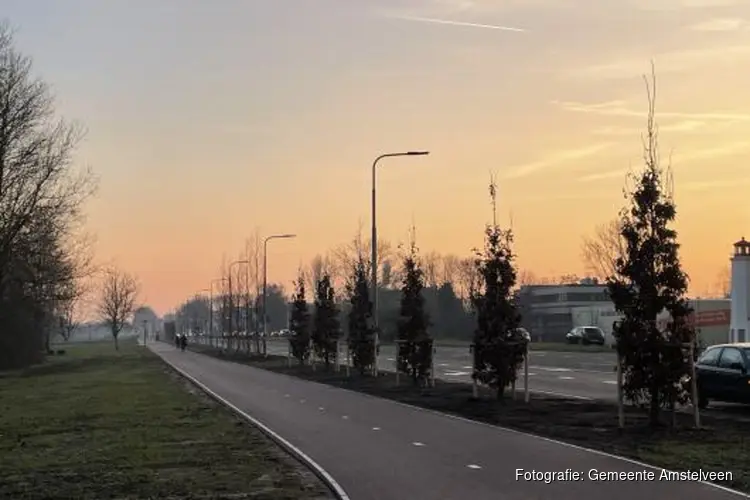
<point x="377" y="449"/>
<point x="585" y="375"/>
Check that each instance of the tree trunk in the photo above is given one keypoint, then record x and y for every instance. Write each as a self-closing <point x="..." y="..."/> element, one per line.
<point x="117" y="346"/>
<point x="655" y="410"/>
<point x="501" y="391"/>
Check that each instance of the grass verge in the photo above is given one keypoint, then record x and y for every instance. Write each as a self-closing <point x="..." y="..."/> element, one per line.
<point x="97" y="423"/>
<point x="721" y="446"/>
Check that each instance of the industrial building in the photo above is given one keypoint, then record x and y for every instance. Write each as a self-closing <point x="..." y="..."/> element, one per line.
<point x="547" y="310"/>
<point x="710" y="317"/>
<point x="550" y="311"/>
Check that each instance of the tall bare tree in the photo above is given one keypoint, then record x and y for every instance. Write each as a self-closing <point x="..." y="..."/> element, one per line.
<point x="431" y="269"/>
<point x="119" y="292"/>
<point x="347" y="256"/>
<point x="450" y="268"/>
<point x="467" y="279"/>
<point x="41" y="199"/>
<point x="601" y="250"/>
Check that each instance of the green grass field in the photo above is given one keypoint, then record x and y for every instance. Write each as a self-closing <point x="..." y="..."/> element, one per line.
<point x="723" y="445"/>
<point x="97" y="423"/>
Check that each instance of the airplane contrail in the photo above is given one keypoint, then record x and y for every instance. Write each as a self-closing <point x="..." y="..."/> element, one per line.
<point x="461" y="23"/>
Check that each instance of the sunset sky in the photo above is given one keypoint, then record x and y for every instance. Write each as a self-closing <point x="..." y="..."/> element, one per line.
<point x="208" y="119"/>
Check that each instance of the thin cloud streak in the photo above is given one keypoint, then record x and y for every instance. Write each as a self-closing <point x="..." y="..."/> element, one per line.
<point x="618" y="108"/>
<point x="561" y="157"/>
<point x="721" y="24"/>
<point x="460" y="23"/>
<point x="604" y="175"/>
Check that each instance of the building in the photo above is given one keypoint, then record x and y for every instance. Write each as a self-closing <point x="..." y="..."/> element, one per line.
<point x="711" y="318"/>
<point x="547" y="310"/>
<point x="145" y="317"/>
<point x="740" y="294"/>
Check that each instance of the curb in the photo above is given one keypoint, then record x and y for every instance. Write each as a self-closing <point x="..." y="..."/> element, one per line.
<point x="292" y="450"/>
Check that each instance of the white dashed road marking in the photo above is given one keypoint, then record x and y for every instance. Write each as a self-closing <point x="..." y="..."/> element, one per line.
<point x="301" y="400"/>
<point x="321" y="408"/>
<point x="473" y="466"/>
<point x="417" y="443"/>
<point x="443" y="364"/>
<point x="456" y="374"/>
<point x="376" y="428"/>
<point x="345" y="417"/>
<point x="565" y="378"/>
<point x="286" y="395"/>
<point x="611" y="382"/>
<point x="467" y="367"/>
<point x="391" y="359"/>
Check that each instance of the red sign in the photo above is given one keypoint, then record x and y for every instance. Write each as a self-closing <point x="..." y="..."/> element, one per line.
<point x="702" y="319"/>
<point x="719" y="317"/>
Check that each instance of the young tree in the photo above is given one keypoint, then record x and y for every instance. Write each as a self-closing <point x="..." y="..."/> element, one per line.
<point x="361" y="330"/>
<point x="117" y="300"/>
<point x="299" y="322"/>
<point x="326" y="328"/>
<point x="649" y="280"/>
<point x="415" y="350"/>
<point x="498" y="353"/>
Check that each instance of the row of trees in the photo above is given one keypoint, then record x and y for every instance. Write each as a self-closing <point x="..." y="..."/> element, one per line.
<point x="641" y="266"/>
<point x="643" y="274"/>
<point x="319" y="331"/>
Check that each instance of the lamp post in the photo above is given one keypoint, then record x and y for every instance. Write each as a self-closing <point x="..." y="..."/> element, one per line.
<point x="231" y="300"/>
<point x="265" y="284"/>
<point x="198" y="294"/>
<point x="374" y="242"/>
<point x="211" y="310"/>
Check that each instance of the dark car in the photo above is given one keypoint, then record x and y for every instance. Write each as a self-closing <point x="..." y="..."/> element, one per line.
<point x="722" y="374"/>
<point x="586" y="335"/>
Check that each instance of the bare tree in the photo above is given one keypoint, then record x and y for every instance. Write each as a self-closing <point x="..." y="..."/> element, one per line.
<point x="320" y="265"/>
<point x="345" y="257"/>
<point x="723" y="286"/>
<point x="431" y="268"/>
<point x="450" y="268"/>
<point x="527" y="278"/>
<point x="601" y="250"/>
<point x="468" y="279"/>
<point x="119" y="292"/>
<point x="41" y="200"/>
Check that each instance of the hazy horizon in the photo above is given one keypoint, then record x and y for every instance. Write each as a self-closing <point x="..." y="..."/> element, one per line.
<point x="207" y="120"/>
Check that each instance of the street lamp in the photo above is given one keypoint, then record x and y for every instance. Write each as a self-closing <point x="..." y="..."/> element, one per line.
<point x="211" y="309"/>
<point x="198" y="294"/>
<point x="265" y="284"/>
<point x="374" y="242"/>
<point x="231" y="301"/>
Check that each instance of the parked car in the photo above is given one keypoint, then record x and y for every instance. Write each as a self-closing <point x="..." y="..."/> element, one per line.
<point x="722" y="374"/>
<point x="585" y="335"/>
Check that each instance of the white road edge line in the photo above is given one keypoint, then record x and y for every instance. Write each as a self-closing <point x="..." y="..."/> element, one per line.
<point x="474" y="466"/>
<point x="289" y="447"/>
